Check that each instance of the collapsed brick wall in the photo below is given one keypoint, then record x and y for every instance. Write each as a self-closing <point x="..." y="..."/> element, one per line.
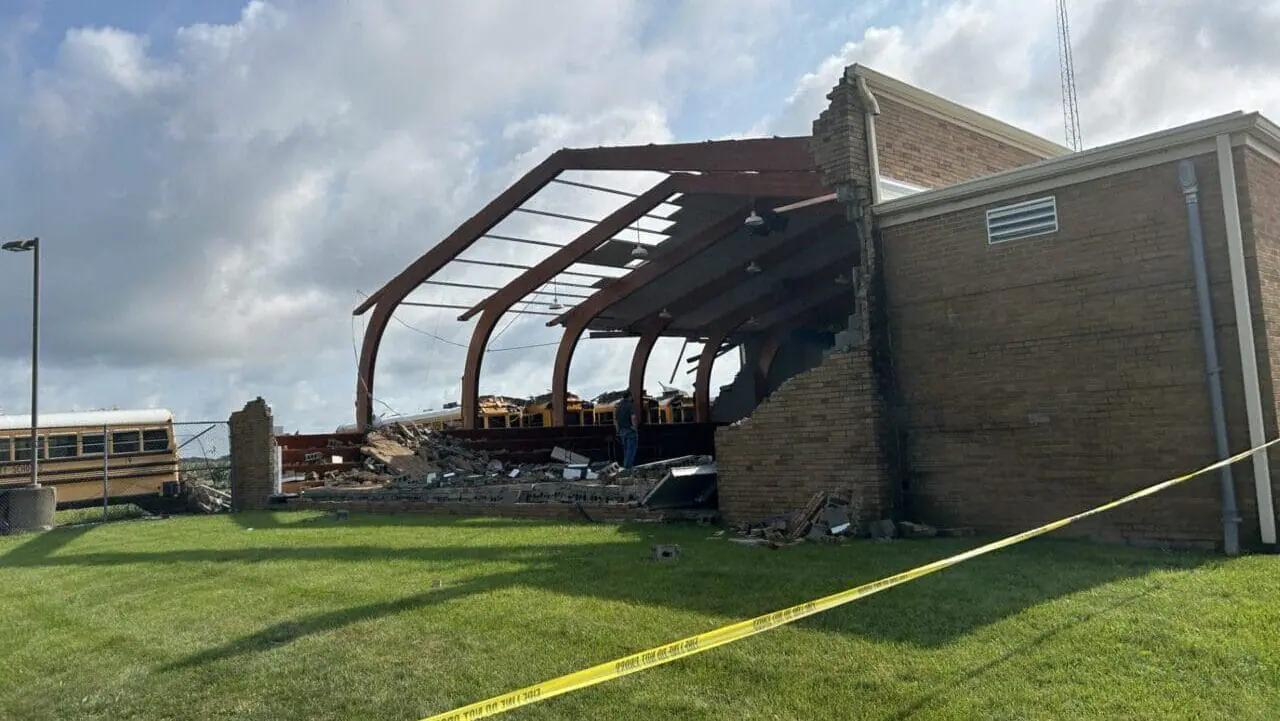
<point x="1045" y="376"/>
<point x="918" y="147"/>
<point x="253" y="449"/>
<point x="819" y="431"/>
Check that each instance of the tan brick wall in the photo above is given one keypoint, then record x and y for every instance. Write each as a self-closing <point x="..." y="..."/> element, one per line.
<point x="1048" y="375"/>
<point x="253" y="448"/>
<point x="818" y="431"/>
<point x="839" y="142"/>
<point x="919" y="148"/>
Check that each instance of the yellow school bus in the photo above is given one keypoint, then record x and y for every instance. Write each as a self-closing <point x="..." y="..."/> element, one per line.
<point x="135" y="450"/>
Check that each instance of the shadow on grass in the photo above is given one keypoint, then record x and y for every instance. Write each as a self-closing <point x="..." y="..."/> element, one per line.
<point x="291" y="630"/>
<point x="969" y="676"/>
<point x="717" y="578"/>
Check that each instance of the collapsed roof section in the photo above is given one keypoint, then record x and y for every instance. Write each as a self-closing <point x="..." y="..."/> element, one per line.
<point x="675" y="255"/>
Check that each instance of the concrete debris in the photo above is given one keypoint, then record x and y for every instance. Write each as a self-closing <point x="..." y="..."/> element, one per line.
<point x="907" y="529"/>
<point x="883" y="529"/>
<point x="665" y="552"/>
<point x="412" y="463"/>
<point x="202" y="498"/>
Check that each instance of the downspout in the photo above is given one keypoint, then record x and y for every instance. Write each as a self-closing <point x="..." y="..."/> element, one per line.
<point x="1213" y="371"/>
<point x="870" y="108"/>
<point x="1244" y="329"/>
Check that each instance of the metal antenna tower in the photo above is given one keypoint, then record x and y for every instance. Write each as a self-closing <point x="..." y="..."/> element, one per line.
<point x="1070" y="107"/>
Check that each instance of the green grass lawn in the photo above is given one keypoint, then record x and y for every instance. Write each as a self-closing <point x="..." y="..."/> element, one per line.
<point x="298" y="616"/>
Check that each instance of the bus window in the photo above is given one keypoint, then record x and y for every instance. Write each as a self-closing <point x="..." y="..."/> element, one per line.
<point x="92" y="444"/>
<point x="62" y="446"/>
<point x="22" y="448"/>
<point x="5" y="450"/>
<point x="125" y="442"/>
<point x="155" y="440"/>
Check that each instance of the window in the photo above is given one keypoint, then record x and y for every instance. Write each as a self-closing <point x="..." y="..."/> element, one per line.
<point x="1022" y="220"/>
<point x="92" y="444"/>
<point x="22" y="448"/>
<point x="155" y="440"/>
<point x="62" y="446"/>
<point x="6" y="449"/>
<point x="125" y="442"/>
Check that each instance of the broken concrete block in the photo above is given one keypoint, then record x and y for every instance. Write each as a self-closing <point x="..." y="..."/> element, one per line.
<point x="665" y="552"/>
<point x="916" y="530"/>
<point x="569" y="457"/>
<point x="494" y="466"/>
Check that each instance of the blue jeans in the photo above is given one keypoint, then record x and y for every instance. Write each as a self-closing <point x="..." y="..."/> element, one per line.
<point x="630" y="440"/>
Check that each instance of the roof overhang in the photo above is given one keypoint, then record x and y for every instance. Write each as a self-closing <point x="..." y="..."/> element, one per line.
<point x="1165" y="146"/>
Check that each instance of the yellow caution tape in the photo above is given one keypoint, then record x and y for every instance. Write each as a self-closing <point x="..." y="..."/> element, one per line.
<point x="743" y="629"/>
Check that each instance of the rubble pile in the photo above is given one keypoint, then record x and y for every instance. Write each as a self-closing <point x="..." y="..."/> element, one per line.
<point x="203" y="498"/>
<point x="405" y="462"/>
<point x="831" y="518"/>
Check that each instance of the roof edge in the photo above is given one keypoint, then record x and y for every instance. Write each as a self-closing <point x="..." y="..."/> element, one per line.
<point x="967" y="117"/>
<point x="1188" y="134"/>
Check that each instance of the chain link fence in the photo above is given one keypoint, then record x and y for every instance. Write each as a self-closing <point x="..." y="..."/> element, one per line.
<point x="119" y="473"/>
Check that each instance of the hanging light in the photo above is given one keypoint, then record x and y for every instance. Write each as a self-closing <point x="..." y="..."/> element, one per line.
<point x="842" y="279"/>
<point x="751" y="320"/>
<point x="555" y="296"/>
<point x="753" y="220"/>
<point x="664" y="314"/>
<point x="639" y="251"/>
<point x="753" y="267"/>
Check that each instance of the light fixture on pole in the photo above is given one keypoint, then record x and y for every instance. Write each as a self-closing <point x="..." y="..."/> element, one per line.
<point x="753" y="267"/>
<point x="753" y="220"/>
<point x="664" y="314"/>
<point x="842" y="279"/>
<point x="32" y="245"/>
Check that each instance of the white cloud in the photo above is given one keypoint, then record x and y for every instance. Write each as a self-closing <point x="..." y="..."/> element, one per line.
<point x="213" y="200"/>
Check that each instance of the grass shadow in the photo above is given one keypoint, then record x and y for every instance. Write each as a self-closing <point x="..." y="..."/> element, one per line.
<point x="715" y="578"/>
<point x="973" y="674"/>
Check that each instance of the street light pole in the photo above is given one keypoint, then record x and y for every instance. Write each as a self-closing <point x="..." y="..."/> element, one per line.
<point x="33" y="246"/>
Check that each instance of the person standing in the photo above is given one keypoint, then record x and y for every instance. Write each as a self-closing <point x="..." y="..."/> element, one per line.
<point x="626" y="421"/>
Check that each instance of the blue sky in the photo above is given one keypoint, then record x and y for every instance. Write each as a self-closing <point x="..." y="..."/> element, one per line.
<point x="217" y="182"/>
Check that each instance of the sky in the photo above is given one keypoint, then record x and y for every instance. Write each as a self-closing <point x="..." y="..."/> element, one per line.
<point x="216" y="183"/>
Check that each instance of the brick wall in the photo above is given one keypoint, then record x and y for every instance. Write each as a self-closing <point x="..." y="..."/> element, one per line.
<point x="839" y="142"/>
<point x="919" y="148"/>
<point x="818" y="431"/>
<point x="253" y="448"/>
<point x="1048" y="375"/>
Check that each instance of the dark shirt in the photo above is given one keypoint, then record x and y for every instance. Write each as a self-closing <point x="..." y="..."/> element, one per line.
<point x="623" y="412"/>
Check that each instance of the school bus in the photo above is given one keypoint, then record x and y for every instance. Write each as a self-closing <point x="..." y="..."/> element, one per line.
<point x="134" y="449"/>
<point x="495" y="412"/>
<point x="537" y="411"/>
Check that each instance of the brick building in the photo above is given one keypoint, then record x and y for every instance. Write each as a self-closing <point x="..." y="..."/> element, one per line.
<point x="1029" y="338"/>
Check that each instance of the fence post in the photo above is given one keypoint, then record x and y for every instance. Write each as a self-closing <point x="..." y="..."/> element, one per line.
<point x="106" y="453"/>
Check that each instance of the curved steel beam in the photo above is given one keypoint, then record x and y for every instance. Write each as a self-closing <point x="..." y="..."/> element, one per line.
<point x="560" y="371"/>
<point x="475" y="360"/>
<point x="764" y="361"/>
<point x="640" y="362"/>
<point x="702" y="380"/>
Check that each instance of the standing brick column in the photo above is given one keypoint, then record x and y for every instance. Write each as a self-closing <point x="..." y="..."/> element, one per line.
<point x="253" y="457"/>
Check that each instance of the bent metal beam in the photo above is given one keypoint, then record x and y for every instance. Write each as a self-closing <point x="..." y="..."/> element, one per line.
<point x="758" y="155"/>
